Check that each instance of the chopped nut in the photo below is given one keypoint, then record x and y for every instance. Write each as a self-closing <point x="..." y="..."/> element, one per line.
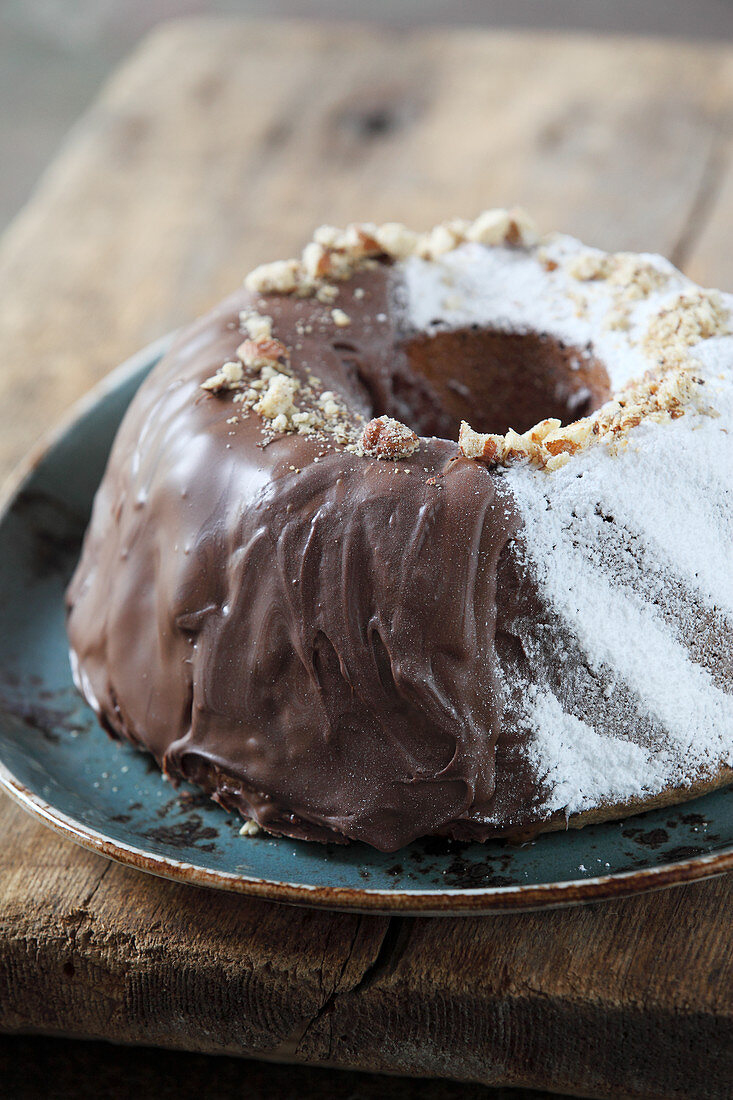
<point x="316" y="260"/>
<point x="384" y="437"/>
<point x="548" y="445"/>
<point x="278" y="398"/>
<point x="327" y="293"/>
<point x="437" y="242"/>
<point x="546" y="260"/>
<point x="340" y="318"/>
<point x="397" y="240"/>
<point x="478" y="445"/>
<point x="629" y="278"/>
<point x="522" y="228"/>
<point x="360" y="239"/>
<point x="256" y="325"/>
<point x="228" y="377"/>
<point x="328" y="403"/>
<point x="694" y="316"/>
<point x="490" y="228"/>
<point x="569" y="439"/>
<point x="328" y="236"/>
<point x="280" y="277"/>
<point x="250" y="828"/>
<point x="336" y="254"/>
<point x="540" y="431"/>
<point x="557" y="461"/>
<point x="588" y="266"/>
<point x="262" y="353"/>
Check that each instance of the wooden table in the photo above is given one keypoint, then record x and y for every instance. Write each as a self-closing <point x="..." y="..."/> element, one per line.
<point x="219" y="145"/>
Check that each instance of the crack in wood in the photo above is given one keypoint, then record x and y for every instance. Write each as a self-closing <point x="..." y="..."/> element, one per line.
<point x="395" y="932"/>
<point x="308" y="1035"/>
<point x="84" y="908"/>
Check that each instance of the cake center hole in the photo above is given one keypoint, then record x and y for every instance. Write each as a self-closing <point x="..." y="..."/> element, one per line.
<point x="495" y="381"/>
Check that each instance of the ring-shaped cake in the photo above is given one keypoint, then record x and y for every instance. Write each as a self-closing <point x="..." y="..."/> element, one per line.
<point x="311" y="588"/>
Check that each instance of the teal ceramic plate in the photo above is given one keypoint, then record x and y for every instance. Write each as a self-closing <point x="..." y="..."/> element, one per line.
<point x="57" y="762"/>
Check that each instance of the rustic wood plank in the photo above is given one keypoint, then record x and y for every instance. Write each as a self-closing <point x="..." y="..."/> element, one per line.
<point x="256" y="135"/>
<point x="35" y="1068"/>
<point x="638" y="999"/>
<point x="219" y="145"/>
<point x="88" y="947"/>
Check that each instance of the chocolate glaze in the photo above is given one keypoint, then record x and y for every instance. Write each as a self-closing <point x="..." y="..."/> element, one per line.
<point x="310" y="641"/>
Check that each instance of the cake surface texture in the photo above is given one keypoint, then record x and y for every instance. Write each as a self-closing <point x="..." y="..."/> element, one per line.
<point x="426" y="534"/>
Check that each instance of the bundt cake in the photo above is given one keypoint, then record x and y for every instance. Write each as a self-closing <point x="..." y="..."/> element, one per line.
<point x="426" y="534"/>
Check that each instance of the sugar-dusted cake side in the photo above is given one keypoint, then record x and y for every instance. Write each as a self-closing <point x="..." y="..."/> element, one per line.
<point x="298" y="591"/>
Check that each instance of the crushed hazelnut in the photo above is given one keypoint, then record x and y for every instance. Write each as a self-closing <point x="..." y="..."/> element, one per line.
<point x="661" y="395"/>
<point x="279" y="277"/>
<point x="694" y="316"/>
<point x="327" y="293"/>
<point x="437" y="242"/>
<point x="280" y="423"/>
<point x="277" y="400"/>
<point x="315" y="260"/>
<point x="335" y="254"/>
<point x="522" y="229"/>
<point x="256" y="325"/>
<point x="490" y="228"/>
<point x="262" y="353"/>
<point x="227" y="377"/>
<point x="386" y="438"/>
<point x="629" y="278"/>
<point x="396" y="240"/>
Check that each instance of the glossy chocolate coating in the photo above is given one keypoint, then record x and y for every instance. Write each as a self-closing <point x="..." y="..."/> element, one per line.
<point x="310" y="641"/>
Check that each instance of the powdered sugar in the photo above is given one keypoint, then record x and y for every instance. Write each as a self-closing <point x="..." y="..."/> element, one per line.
<point x="512" y="290"/>
<point x="601" y="532"/>
<point x="581" y="768"/>
<point x="671" y="491"/>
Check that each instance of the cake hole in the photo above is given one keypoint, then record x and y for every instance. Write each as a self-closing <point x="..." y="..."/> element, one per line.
<point x="495" y="381"/>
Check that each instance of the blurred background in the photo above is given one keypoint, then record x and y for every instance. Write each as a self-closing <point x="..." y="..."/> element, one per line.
<point x="55" y="54"/>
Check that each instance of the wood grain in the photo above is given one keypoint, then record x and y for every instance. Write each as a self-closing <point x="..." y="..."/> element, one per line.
<point x="221" y="144"/>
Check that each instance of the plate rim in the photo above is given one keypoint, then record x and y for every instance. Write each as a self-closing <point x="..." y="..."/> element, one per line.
<point x="446" y="901"/>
